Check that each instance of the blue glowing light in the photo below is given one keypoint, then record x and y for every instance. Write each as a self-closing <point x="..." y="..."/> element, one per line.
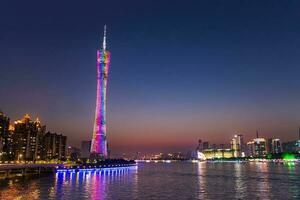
<point x="109" y="169"/>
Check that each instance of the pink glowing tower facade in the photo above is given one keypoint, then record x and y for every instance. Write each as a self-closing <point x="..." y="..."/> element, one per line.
<point x="99" y="143"/>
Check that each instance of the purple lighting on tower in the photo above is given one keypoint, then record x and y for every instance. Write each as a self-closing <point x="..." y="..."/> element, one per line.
<point x="99" y="143"/>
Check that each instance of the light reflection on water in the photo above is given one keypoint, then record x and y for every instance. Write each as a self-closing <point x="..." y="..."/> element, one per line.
<point x="90" y="184"/>
<point x="240" y="185"/>
<point x="178" y="180"/>
<point x="202" y="180"/>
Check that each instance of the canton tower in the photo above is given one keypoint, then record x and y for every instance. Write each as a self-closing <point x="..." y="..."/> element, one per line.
<point x="99" y="143"/>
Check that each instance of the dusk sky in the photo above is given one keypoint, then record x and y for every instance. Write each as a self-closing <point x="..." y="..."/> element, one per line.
<point x="180" y="70"/>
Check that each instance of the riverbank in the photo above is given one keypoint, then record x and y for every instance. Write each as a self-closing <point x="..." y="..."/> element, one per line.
<point x="10" y="171"/>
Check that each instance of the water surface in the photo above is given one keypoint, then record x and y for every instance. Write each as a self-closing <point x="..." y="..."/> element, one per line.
<point x="177" y="180"/>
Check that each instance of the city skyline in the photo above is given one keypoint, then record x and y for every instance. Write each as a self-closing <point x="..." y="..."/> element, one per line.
<point x="227" y="145"/>
<point x="172" y="81"/>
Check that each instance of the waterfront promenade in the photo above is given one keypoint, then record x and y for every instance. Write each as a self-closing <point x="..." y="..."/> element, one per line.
<point x="9" y="170"/>
<point x="4" y="167"/>
<point x="22" y="169"/>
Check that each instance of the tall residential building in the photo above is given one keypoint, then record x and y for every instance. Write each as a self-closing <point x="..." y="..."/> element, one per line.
<point x="259" y="147"/>
<point x="6" y="131"/>
<point x="99" y="142"/>
<point x="4" y="125"/>
<point x="237" y="145"/>
<point x="27" y="139"/>
<point x="250" y="148"/>
<point x="270" y="145"/>
<point x="85" y="149"/>
<point x="54" y="146"/>
<point x="276" y="146"/>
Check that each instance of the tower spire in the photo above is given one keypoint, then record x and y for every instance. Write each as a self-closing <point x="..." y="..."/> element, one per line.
<point x="104" y="38"/>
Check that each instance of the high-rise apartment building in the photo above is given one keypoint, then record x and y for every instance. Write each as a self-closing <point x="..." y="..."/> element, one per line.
<point x="6" y="131"/>
<point x="260" y="145"/>
<point x="276" y="146"/>
<point x="54" y="146"/>
<point x="237" y="145"/>
<point x="27" y="139"/>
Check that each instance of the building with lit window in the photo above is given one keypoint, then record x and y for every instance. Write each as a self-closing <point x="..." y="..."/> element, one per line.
<point x="276" y="146"/>
<point x="217" y="153"/>
<point x="54" y="146"/>
<point x="6" y="141"/>
<point x="257" y="147"/>
<point x="27" y="139"/>
<point x="4" y="125"/>
<point x="237" y="145"/>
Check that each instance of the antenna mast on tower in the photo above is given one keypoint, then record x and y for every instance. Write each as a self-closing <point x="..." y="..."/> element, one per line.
<point x="104" y="38"/>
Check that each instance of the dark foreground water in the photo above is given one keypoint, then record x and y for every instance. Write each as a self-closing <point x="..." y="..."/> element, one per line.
<point x="179" y="180"/>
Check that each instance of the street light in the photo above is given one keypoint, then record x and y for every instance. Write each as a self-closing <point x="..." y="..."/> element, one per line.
<point x="19" y="157"/>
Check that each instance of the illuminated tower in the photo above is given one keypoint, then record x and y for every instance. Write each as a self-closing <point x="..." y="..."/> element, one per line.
<point x="99" y="143"/>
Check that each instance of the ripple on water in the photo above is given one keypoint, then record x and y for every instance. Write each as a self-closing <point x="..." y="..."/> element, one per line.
<point x="180" y="180"/>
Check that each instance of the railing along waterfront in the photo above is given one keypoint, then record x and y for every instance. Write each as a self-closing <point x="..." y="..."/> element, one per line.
<point x="7" y="170"/>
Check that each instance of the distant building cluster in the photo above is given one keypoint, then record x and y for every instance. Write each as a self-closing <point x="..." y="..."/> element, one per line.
<point x="258" y="147"/>
<point x="80" y="154"/>
<point x="27" y="140"/>
<point x="156" y="156"/>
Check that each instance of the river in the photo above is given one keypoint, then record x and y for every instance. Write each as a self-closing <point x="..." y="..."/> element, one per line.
<point x="171" y="181"/>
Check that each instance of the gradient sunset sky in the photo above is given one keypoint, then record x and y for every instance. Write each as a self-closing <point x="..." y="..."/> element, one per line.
<point x="180" y="70"/>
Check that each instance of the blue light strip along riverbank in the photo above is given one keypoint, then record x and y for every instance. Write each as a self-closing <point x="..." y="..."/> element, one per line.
<point x="95" y="168"/>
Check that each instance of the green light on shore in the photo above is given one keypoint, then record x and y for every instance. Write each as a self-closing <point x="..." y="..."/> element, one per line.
<point x="288" y="156"/>
<point x="269" y="156"/>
